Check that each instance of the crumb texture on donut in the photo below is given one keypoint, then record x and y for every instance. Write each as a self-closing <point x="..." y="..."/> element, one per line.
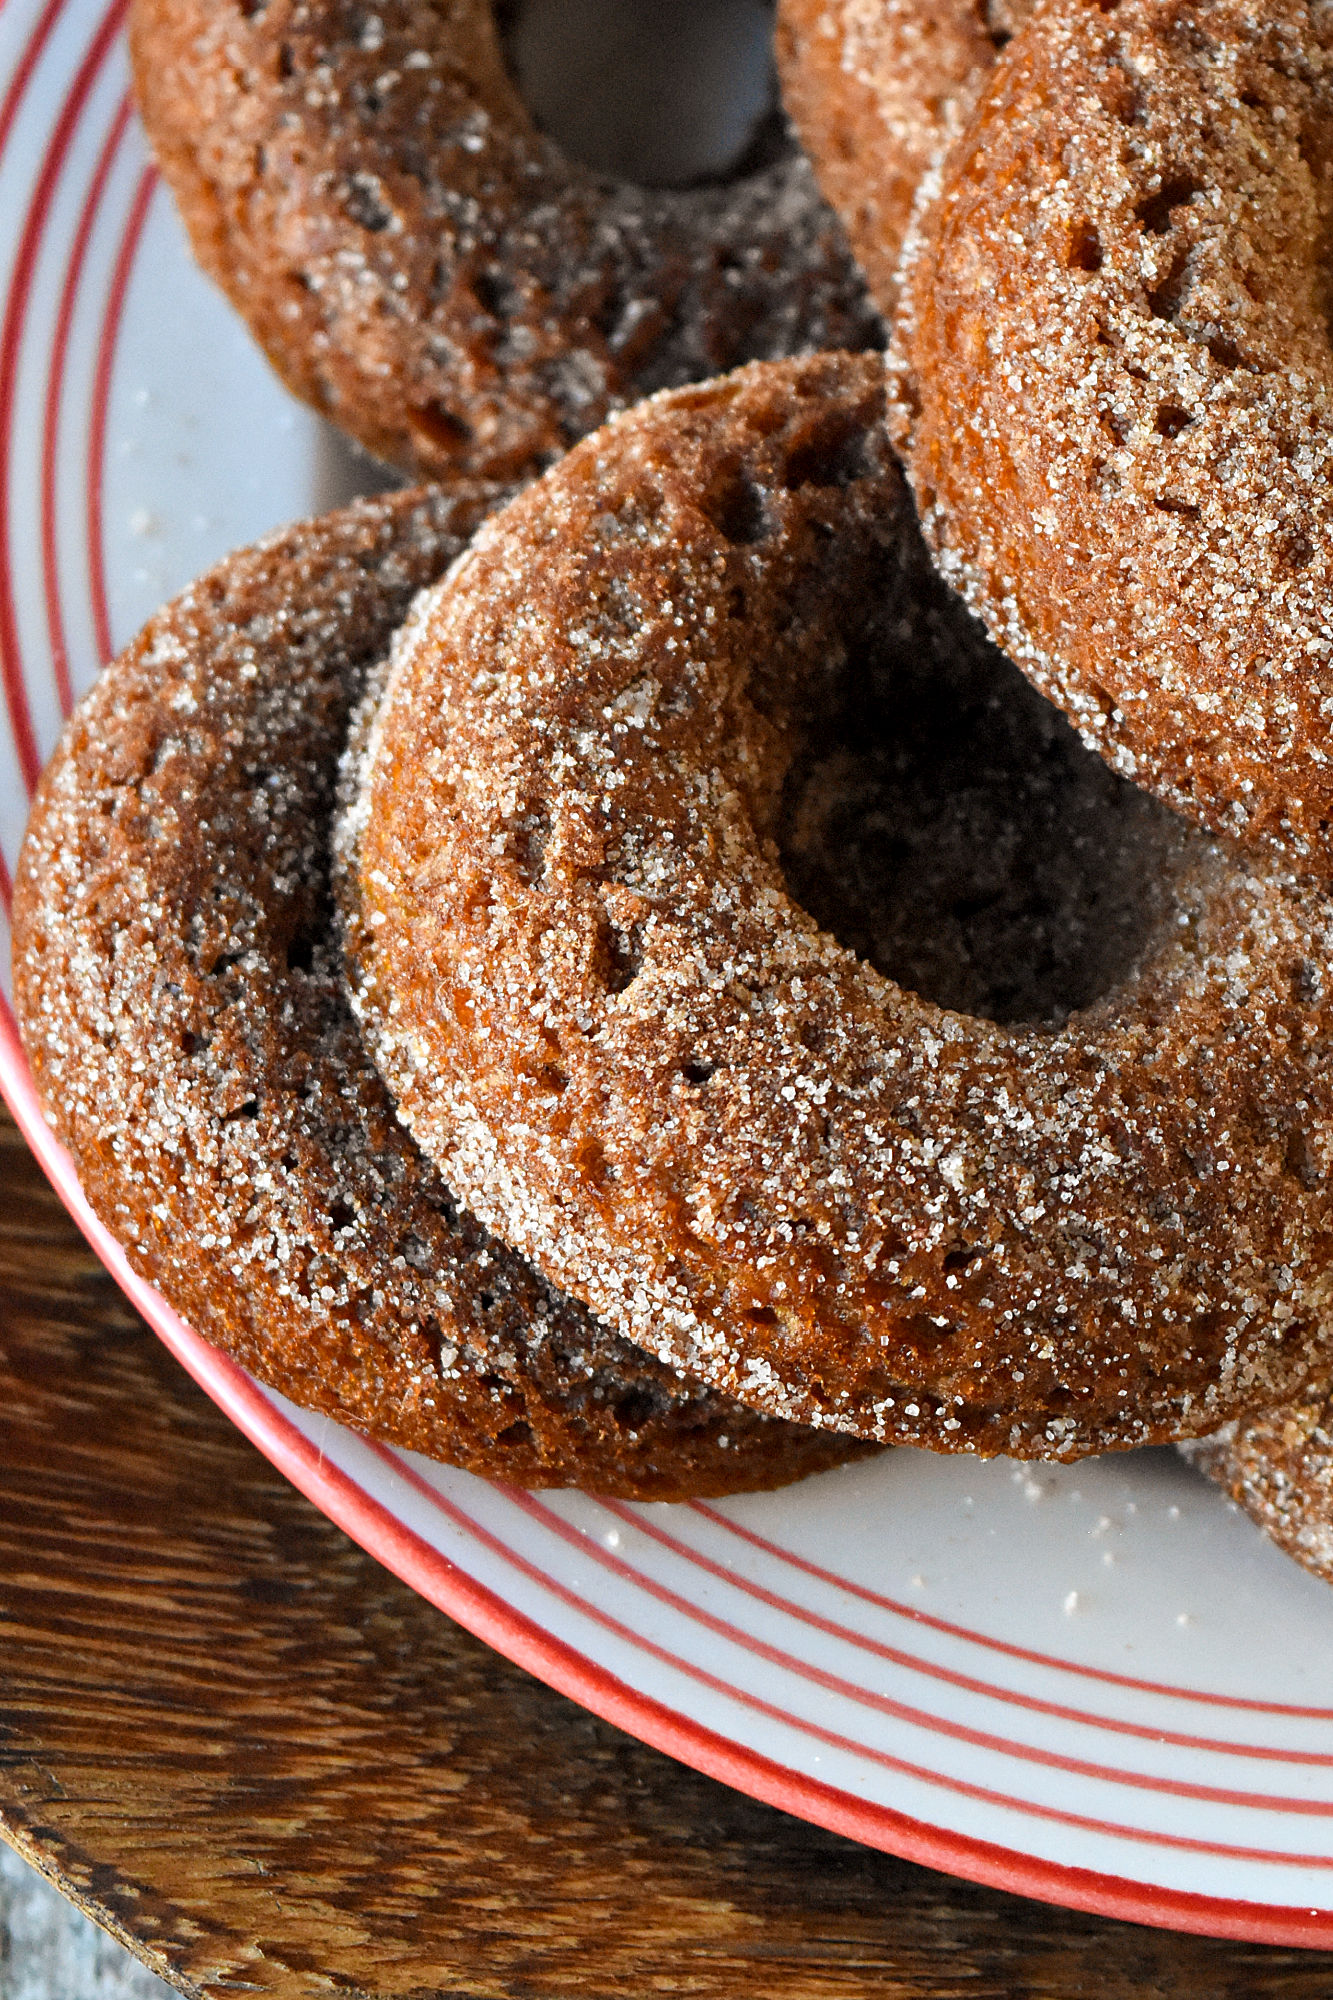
<point x="604" y="1010"/>
<point x="1115" y="390"/>
<point x="179" y="983"/>
<point x="427" y="268"/>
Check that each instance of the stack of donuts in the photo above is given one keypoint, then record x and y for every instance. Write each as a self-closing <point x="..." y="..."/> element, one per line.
<point x="737" y="928"/>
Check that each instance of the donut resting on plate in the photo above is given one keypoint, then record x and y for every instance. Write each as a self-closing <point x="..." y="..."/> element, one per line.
<point x="179" y="984"/>
<point x="428" y="269"/>
<point x="1115" y="393"/>
<point x="604" y="1010"/>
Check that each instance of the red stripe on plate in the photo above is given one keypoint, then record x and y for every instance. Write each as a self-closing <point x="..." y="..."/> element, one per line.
<point x="934" y="1671"/>
<point x="1014" y="1652"/>
<point x="900" y="1711"/>
<point x="106" y="361"/>
<point x="883" y="1758"/>
<point x="16" y="308"/>
<point x="54" y="396"/>
<point x="27" y="63"/>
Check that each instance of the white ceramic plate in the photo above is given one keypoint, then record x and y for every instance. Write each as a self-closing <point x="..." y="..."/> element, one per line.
<point x="1098" y="1685"/>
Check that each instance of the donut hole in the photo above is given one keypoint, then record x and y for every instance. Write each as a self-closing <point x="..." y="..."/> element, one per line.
<point x="659" y="102"/>
<point x="634" y="1408"/>
<point x="945" y="823"/>
<point x="494" y="289"/>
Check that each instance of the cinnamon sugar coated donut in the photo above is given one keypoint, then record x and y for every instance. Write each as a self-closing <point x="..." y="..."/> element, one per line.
<point x="1116" y="392"/>
<point x="875" y="89"/>
<point x="428" y="269"/>
<point x="604" y="1012"/>
<point x="179" y="986"/>
<point x="1279" y="1468"/>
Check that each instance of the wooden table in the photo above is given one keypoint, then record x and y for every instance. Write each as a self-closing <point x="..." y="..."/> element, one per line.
<point x="270" y="1768"/>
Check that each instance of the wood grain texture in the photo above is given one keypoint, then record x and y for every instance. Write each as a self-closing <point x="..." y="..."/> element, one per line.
<point x="272" y="1769"/>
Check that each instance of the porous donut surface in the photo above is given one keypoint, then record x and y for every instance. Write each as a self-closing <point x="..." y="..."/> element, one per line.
<point x="428" y="269"/>
<point x="179" y="984"/>
<point x="1115" y="392"/>
<point x="599" y="1003"/>
<point x="876" y="89"/>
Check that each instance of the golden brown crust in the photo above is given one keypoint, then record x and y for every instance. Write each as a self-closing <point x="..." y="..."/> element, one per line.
<point x="425" y="267"/>
<point x="181" y="995"/>
<point x="1279" y="1468"/>
<point x="1116" y="392"/>
<point x="597" y="1000"/>
<point x="876" y="89"/>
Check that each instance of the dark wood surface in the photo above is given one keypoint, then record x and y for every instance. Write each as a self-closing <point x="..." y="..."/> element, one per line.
<point x="270" y="1768"/>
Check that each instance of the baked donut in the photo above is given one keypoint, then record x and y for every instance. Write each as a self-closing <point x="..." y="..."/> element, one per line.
<point x="1115" y="392"/>
<point x="425" y="267"/>
<point x="179" y="986"/>
<point x="1279" y="1468"/>
<point x="875" y="90"/>
<point x="604" y="1011"/>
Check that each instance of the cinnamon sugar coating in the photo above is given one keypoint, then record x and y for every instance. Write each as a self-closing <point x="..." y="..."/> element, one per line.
<point x="431" y="272"/>
<point x="180" y="989"/>
<point x="1279" y="1468"/>
<point x="602" y="1009"/>
<point x="1115" y="392"/>
<point x="876" y="89"/>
